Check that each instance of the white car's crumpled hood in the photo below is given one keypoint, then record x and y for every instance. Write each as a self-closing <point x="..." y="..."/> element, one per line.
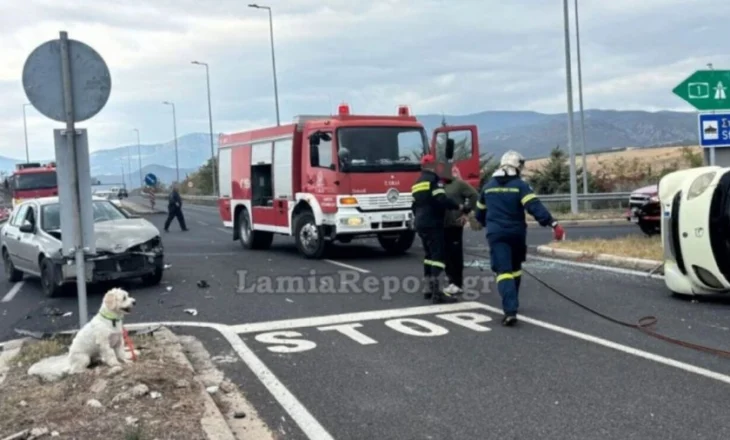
<point x="119" y="235"/>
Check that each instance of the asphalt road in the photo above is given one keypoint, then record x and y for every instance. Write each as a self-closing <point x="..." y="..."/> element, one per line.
<point x="363" y="360"/>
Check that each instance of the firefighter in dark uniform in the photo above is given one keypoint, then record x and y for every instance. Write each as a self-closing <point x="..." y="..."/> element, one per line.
<point x="501" y="209"/>
<point x="429" y="208"/>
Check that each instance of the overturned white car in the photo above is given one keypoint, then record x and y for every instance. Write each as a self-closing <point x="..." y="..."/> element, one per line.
<point x="696" y="230"/>
<point x="126" y="247"/>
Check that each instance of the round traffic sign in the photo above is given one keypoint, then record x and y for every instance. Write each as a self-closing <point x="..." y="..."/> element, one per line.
<point x="190" y="184"/>
<point x="150" y="179"/>
<point x="90" y="80"/>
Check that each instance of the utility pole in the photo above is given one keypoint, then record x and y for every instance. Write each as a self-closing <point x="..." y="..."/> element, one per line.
<point x="580" y="101"/>
<point x="25" y="130"/>
<point x="139" y="157"/>
<point x="174" y="132"/>
<point x="273" y="57"/>
<point x="210" y="122"/>
<point x="569" y="86"/>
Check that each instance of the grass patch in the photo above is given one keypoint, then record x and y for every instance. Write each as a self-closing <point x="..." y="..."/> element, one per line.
<point x="634" y="246"/>
<point x="27" y="402"/>
<point x="34" y="351"/>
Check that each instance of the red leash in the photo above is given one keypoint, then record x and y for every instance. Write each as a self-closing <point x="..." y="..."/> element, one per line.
<point x="129" y="344"/>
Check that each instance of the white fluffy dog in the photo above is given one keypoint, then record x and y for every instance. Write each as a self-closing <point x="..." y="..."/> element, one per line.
<point x="99" y="340"/>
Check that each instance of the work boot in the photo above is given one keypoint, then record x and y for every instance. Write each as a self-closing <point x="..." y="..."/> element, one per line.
<point x="453" y="289"/>
<point x="509" y="320"/>
<point x="432" y="288"/>
<point x="444" y="298"/>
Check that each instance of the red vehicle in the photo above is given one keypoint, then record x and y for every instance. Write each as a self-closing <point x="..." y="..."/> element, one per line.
<point x="645" y="209"/>
<point x="33" y="180"/>
<point x="333" y="178"/>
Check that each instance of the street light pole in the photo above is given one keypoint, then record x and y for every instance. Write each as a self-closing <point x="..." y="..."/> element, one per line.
<point x="129" y="165"/>
<point x="174" y="132"/>
<point x="580" y="101"/>
<point x="139" y="156"/>
<point x="25" y="131"/>
<point x="210" y="122"/>
<point x="569" y="86"/>
<point x="273" y="58"/>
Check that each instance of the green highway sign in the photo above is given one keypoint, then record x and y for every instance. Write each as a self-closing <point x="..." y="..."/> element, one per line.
<point x="706" y="89"/>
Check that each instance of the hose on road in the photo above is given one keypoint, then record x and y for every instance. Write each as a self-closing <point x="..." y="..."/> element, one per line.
<point x="645" y="324"/>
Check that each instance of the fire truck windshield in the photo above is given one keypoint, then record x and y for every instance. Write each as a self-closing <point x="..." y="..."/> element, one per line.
<point x="36" y="180"/>
<point x="374" y="149"/>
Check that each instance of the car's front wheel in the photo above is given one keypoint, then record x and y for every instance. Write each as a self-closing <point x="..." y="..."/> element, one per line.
<point x="50" y="278"/>
<point x="13" y="275"/>
<point x="153" y="278"/>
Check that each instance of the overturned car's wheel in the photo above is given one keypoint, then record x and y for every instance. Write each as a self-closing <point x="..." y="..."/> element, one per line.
<point x="50" y="278"/>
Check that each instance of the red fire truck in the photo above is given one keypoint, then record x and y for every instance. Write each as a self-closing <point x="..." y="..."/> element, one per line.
<point x="33" y="180"/>
<point x="333" y="178"/>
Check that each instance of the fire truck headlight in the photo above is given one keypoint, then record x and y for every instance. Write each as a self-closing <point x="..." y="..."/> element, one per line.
<point x="352" y="221"/>
<point x="349" y="201"/>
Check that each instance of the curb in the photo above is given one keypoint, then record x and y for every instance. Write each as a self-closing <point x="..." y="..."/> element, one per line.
<point x="604" y="259"/>
<point x="588" y="223"/>
<point x="214" y="423"/>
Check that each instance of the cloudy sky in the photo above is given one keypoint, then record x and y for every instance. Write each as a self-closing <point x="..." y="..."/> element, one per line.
<point x="438" y="56"/>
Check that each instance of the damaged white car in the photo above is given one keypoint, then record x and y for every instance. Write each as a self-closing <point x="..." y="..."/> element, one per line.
<point x="126" y="246"/>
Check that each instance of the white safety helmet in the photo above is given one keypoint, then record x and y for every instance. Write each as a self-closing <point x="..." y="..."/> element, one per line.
<point x="512" y="160"/>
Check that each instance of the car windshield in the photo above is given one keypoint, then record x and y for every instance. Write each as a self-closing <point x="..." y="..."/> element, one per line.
<point x="37" y="180"/>
<point x="103" y="211"/>
<point x="373" y="149"/>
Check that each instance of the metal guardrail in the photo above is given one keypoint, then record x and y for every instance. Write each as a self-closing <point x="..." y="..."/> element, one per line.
<point x="554" y="198"/>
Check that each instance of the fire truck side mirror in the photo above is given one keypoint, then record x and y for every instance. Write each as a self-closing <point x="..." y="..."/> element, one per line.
<point x="449" y="149"/>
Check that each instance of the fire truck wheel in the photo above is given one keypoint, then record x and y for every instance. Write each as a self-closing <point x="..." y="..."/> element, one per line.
<point x="49" y="278"/>
<point x="398" y="244"/>
<point x="13" y="274"/>
<point x="251" y="239"/>
<point x="308" y="236"/>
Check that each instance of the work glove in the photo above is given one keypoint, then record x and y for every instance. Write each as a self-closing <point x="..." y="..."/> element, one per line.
<point x="558" y="232"/>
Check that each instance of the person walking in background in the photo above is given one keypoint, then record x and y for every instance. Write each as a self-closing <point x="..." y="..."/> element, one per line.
<point x="465" y="195"/>
<point x="174" y="209"/>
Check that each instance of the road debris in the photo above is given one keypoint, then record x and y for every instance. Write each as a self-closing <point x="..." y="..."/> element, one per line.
<point x="193" y="312"/>
<point x="203" y="284"/>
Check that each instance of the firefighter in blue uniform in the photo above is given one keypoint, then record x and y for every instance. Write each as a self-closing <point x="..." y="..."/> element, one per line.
<point x="429" y="208"/>
<point x="501" y="209"/>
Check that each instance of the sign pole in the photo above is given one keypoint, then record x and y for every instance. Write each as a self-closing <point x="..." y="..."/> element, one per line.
<point x="71" y="144"/>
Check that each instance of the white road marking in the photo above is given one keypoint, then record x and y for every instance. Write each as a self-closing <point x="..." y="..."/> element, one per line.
<point x="619" y="347"/>
<point x="202" y="223"/>
<point x="337" y="263"/>
<point x="298" y="412"/>
<point x="225" y="231"/>
<point x="318" y="321"/>
<point x="619" y="270"/>
<point x="427" y="310"/>
<point x="13" y="291"/>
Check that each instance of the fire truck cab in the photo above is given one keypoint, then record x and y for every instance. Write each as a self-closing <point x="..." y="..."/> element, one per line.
<point x="334" y="178"/>
<point x="33" y="180"/>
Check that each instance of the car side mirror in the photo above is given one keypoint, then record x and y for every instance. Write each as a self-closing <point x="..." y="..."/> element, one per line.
<point x="449" y="149"/>
<point x="27" y="227"/>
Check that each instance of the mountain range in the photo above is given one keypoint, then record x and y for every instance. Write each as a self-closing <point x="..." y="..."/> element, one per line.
<point x="533" y="134"/>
